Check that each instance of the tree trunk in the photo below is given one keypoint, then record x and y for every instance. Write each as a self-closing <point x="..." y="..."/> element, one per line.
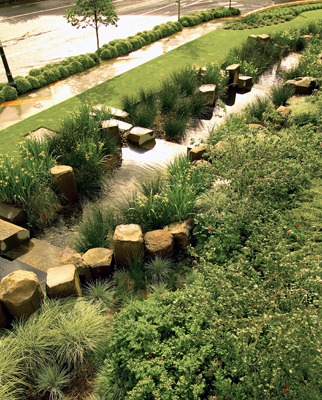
<point x="96" y="30"/>
<point x="178" y="10"/>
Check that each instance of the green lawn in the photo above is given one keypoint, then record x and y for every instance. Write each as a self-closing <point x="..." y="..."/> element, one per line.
<point x="208" y="48"/>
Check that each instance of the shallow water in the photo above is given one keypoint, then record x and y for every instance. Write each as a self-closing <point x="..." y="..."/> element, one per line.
<point x="144" y="163"/>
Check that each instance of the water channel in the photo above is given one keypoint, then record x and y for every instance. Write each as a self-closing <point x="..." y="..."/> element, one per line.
<point x="145" y="162"/>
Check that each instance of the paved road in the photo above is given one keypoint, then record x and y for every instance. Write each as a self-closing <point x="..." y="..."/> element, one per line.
<point x="35" y="33"/>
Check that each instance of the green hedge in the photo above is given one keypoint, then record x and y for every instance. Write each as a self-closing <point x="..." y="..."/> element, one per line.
<point x="39" y="77"/>
<point x="197" y="17"/>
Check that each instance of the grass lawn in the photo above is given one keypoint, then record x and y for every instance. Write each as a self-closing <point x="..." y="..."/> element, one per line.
<point x="208" y="48"/>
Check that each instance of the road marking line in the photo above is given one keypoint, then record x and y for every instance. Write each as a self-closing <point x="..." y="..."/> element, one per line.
<point x="156" y="9"/>
<point x="227" y="2"/>
<point x="192" y="4"/>
<point x="15" y="6"/>
<point x="37" y="12"/>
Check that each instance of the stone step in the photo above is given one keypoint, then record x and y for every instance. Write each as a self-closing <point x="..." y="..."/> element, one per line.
<point x="15" y="215"/>
<point x="38" y="254"/>
<point x="11" y="235"/>
<point x="7" y="266"/>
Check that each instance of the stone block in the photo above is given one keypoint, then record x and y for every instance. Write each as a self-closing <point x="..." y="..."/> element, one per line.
<point x="233" y="71"/>
<point x="81" y="266"/>
<point x="64" y="181"/>
<point x="21" y="294"/>
<point x="127" y="242"/>
<point x="159" y="243"/>
<point x="181" y="232"/>
<point x="11" y="235"/>
<point x="283" y="111"/>
<point x="63" y="281"/>
<point x="245" y="82"/>
<point x="140" y="135"/>
<point x="302" y="85"/>
<point x="196" y="153"/>
<point x="14" y="215"/>
<point x="264" y="38"/>
<point x="5" y="318"/>
<point x="110" y="127"/>
<point x="113" y="111"/>
<point x="209" y="92"/>
<point x="40" y="134"/>
<point x="100" y="261"/>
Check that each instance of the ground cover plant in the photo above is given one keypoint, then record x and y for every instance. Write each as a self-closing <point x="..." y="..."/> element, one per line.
<point x="248" y="325"/>
<point x="274" y="16"/>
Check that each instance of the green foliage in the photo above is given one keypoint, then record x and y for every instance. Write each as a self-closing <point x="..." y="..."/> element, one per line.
<point x="100" y="292"/>
<point x="9" y="93"/>
<point x="158" y="270"/>
<point x="174" y="126"/>
<point x="80" y="144"/>
<point x="74" y="67"/>
<point x="52" y="379"/>
<point x="33" y="81"/>
<point x="95" y="229"/>
<point x="169" y="199"/>
<point x="197" y="17"/>
<point x="186" y="80"/>
<point x="23" y="85"/>
<point x="280" y="93"/>
<point x="2" y="99"/>
<point x="26" y="182"/>
<point x="254" y="111"/>
<point x="272" y="17"/>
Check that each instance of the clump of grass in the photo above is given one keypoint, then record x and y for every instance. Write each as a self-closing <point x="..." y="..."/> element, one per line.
<point x="254" y="111"/>
<point x="80" y="144"/>
<point x="168" y="96"/>
<point x="158" y="270"/>
<point x="95" y="229"/>
<point x="280" y="93"/>
<point x="186" y="79"/>
<point x="52" y="379"/>
<point x="101" y="292"/>
<point x="174" y="126"/>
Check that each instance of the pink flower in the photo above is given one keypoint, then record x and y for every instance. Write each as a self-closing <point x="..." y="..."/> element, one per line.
<point x="239" y="259"/>
<point x="150" y="355"/>
<point x="146" y="379"/>
<point x="216" y="326"/>
<point x="270" y="277"/>
<point x="214" y="397"/>
<point x="265" y="176"/>
<point x="288" y="229"/>
<point x="286" y="389"/>
<point x="209" y="242"/>
<point x="218" y="361"/>
<point x="211" y="372"/>
<point x="160" y="360"/>
<point x="298" y="224"/>
<point x="257" y="178"/>
<point x="272" y="238"/>
<point x="219" y="216"/>
<point x="161" y="297"/>
<point x="209" y="227"/>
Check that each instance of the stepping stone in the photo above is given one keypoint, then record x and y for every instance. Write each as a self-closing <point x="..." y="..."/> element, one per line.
<point x="14" y="215"/>
<point x="40" y="134"/>
<point x="181" y="233"/>
<point x="128" y="242"/>
<point x="264" y="38"/>
<point x="196" y="153"/>
<point x="81" y="266"/>
<point x="21" y="294"/>
<point x="64" y="180"/>
<point x="283" y="111"/>
<point x="245" y="82"/>
<point x="209" y="93"/>
<point x="302" y="85"/>
<point x="11" y="235"/>
<point x="140" y="135"/>
<point x="100" y="261"/>
<point x="114" y="111"/>
<point x="7" y="266"/>
<point x="159" y="243"/>
<point x="233" y="71"/>
<point x="110" y="127"/>
<point x="38" y="254"/>
<point x="63" y="282"/>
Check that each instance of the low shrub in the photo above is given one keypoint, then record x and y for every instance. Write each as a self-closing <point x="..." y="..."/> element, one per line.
<point x="34" y="72"/>
<point x="186" y="79"/>
<point x="23" y="85"/>
<point x="174" y="126"/>
<point x="9" y="93"/>
<point x="63" y="71"/>
<point x="2" y="99"/>
<point x="254" y="111"/>
<point x="74" y="67"/>
<point x="33" y="81"/>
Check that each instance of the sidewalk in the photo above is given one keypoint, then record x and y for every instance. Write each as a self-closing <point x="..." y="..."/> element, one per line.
<point x="39" y="100"/>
